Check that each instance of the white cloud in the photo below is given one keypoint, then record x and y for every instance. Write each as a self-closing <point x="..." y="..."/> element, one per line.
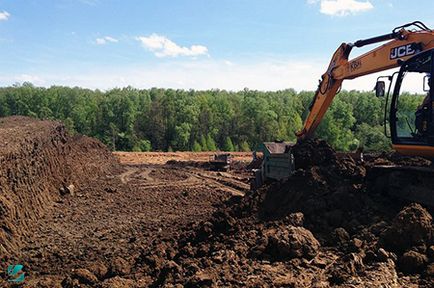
<point x="34" y="79"/>
<point x="208" y="73"/>
<point x="229" y="63"/>
<point x="105" y="40"/>
<point x="198" y="74"/>
<point x="342" y="7"/>
<point x="4" y="16"/>
<point x="266" y="75"/>
<point x="162" y="46"/>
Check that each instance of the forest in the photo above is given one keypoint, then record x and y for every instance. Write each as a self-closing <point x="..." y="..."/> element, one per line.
<point x="130" y="119"/>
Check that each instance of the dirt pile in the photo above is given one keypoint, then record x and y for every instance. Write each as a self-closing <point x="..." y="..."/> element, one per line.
<point x="412" y="227"/>
<point x="410" y="236"/>
<point x="323" y="227"/>
<point x="329" y="191"/>
<point x="39" y="161"/>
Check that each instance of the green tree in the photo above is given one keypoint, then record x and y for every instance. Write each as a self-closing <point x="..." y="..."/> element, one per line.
<point x="210" y="143"/>
<point x="372" y="138"/>
<point x="142" y="146"/>
<point x="196" y="147"/>
<point x="244" y="146"/>
<point x="69" y="124"/>
<point x="203" y="143"/>
<point x="228" y="145"/>
<point x="181" y="136"/>
<point x="336" y="126"/>
<point x="132" y="119"/>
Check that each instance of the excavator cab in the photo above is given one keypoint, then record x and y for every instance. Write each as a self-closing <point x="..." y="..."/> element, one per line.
<point x="411" y="114"/>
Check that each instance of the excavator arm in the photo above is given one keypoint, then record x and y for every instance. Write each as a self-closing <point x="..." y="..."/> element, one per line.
<point x="403" y="44"/>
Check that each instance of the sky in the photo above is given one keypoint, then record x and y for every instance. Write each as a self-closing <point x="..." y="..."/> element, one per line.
<point x="190" y="44"/>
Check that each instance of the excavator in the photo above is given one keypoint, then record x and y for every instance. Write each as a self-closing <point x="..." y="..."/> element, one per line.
<point x="410" y="48"/>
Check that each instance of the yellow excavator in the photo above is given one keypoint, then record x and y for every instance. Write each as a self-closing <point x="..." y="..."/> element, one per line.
<point x="409" y="47"/>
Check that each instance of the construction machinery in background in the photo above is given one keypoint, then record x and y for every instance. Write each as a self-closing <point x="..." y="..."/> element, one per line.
<point x="220" y="162"/>
<point x="411" y="48"/>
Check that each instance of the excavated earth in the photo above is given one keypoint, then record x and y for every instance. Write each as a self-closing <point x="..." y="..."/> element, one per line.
<point x="74" y="216"/>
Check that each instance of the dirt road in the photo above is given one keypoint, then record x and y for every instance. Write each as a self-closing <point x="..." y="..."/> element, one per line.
<point x="111" y="219"/>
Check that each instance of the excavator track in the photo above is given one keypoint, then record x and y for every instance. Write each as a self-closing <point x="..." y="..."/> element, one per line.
<point x="409" y="183"/>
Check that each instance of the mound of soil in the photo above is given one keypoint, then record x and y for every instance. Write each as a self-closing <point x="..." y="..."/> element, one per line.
<point x="323" y="227"/>
<point x="412" y="227"/>
<point x="39" y="162"/>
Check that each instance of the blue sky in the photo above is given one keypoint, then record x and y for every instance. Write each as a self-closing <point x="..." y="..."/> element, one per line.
<point x="225" y="44"/>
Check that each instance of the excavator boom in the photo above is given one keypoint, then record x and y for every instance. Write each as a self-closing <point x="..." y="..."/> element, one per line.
<point x="403" y="44"/>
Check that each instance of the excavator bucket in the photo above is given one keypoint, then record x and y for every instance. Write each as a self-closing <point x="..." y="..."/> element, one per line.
<point x="277" y="163"/>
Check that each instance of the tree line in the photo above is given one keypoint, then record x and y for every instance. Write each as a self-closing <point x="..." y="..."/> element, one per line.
<point x="130" y="119"/>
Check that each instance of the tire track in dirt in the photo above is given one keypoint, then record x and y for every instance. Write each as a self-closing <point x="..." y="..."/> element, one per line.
<point x="116" y="215"/>
<point x="125" y="176"/>
<point x="191" y="178"/>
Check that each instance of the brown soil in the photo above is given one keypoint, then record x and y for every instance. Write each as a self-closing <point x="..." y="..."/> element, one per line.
<point x="115" y="209"/>
<point x="163" y="157"/>
<point x="145" y="223"/>
<point x="324" y="227"/>
<point x="38" y="161"/>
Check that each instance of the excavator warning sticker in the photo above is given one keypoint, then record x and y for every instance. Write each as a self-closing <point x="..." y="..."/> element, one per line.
<point x="402" y="51"/>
